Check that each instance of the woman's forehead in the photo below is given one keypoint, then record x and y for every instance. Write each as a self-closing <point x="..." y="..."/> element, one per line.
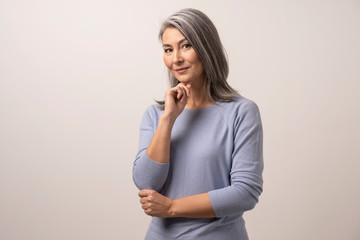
<point x="172" y="35"/>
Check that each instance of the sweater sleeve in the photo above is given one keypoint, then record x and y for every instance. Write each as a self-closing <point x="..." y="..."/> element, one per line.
<point x="148" y="174"/>
<point x="247" y="165"/>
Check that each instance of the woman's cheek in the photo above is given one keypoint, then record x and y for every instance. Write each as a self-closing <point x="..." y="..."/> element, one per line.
<point x="167" y="62"/>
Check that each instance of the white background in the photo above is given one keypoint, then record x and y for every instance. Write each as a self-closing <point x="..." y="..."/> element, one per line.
<point x="76" y="77"/>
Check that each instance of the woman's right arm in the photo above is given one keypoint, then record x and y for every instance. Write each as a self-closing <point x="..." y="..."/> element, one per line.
<point x="175" y="101"/>
<point x="151" y="163"/>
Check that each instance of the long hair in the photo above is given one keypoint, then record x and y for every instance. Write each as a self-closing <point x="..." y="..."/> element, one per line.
<point x="199" y="30"/>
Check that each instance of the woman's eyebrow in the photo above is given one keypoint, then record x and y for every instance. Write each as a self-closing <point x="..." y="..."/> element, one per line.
<point x="180" y="42"/>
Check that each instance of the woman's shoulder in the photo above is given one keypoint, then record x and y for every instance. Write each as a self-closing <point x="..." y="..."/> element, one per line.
<point x="153" y="110"/>
<point x="240" y="103"/>
<point x="241" y="110"/>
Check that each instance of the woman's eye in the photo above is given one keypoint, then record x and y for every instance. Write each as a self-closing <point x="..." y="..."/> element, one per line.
<point x="186" y="45"/>
<point x="167" y="50"/>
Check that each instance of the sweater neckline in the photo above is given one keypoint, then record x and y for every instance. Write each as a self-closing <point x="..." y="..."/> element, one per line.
<point x="199" y="109"/>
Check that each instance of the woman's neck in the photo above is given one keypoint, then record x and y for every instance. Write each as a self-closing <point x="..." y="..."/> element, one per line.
<point x="198" y="98"/>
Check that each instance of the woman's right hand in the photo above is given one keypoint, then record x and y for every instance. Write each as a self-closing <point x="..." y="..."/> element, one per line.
<point x="176" y="99"/>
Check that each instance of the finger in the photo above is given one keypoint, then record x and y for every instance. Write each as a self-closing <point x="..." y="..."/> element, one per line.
<point x="144" y="193"/>
<point x="187" y="85"/>
<point x="180" y="92"/>
<point x="187" y="89"/>
<point x="143" y="200"/>
<point x="147" y="211"/>
<point x="172" y="92"/>
<point x="186" y="92"/>
<point x="144" y="206"/>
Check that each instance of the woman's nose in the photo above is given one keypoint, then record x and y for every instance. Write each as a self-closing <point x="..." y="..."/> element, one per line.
<point x="177" y="57"/>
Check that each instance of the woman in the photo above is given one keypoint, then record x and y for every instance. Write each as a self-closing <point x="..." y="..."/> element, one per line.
<point x="199" y="164"/>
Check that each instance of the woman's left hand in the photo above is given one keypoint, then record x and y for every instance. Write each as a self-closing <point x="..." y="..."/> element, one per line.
<point x="155" y="204"/>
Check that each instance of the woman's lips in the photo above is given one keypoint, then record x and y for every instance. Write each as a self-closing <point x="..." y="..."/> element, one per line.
<point x="181" y="70"/>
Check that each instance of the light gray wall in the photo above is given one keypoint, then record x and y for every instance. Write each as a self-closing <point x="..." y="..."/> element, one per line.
<point x="76" y="77"/>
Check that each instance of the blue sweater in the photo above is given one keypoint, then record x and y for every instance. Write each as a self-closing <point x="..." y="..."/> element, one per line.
<point x="217" y="149"/>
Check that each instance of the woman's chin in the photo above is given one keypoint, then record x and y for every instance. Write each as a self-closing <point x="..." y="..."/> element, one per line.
<point x="184" y="81"/>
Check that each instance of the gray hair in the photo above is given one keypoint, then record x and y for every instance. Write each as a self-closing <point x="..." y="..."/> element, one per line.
<point x="199" y="30"/>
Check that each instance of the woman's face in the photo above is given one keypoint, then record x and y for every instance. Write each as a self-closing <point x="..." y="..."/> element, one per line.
<point x="181" y="58"/>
